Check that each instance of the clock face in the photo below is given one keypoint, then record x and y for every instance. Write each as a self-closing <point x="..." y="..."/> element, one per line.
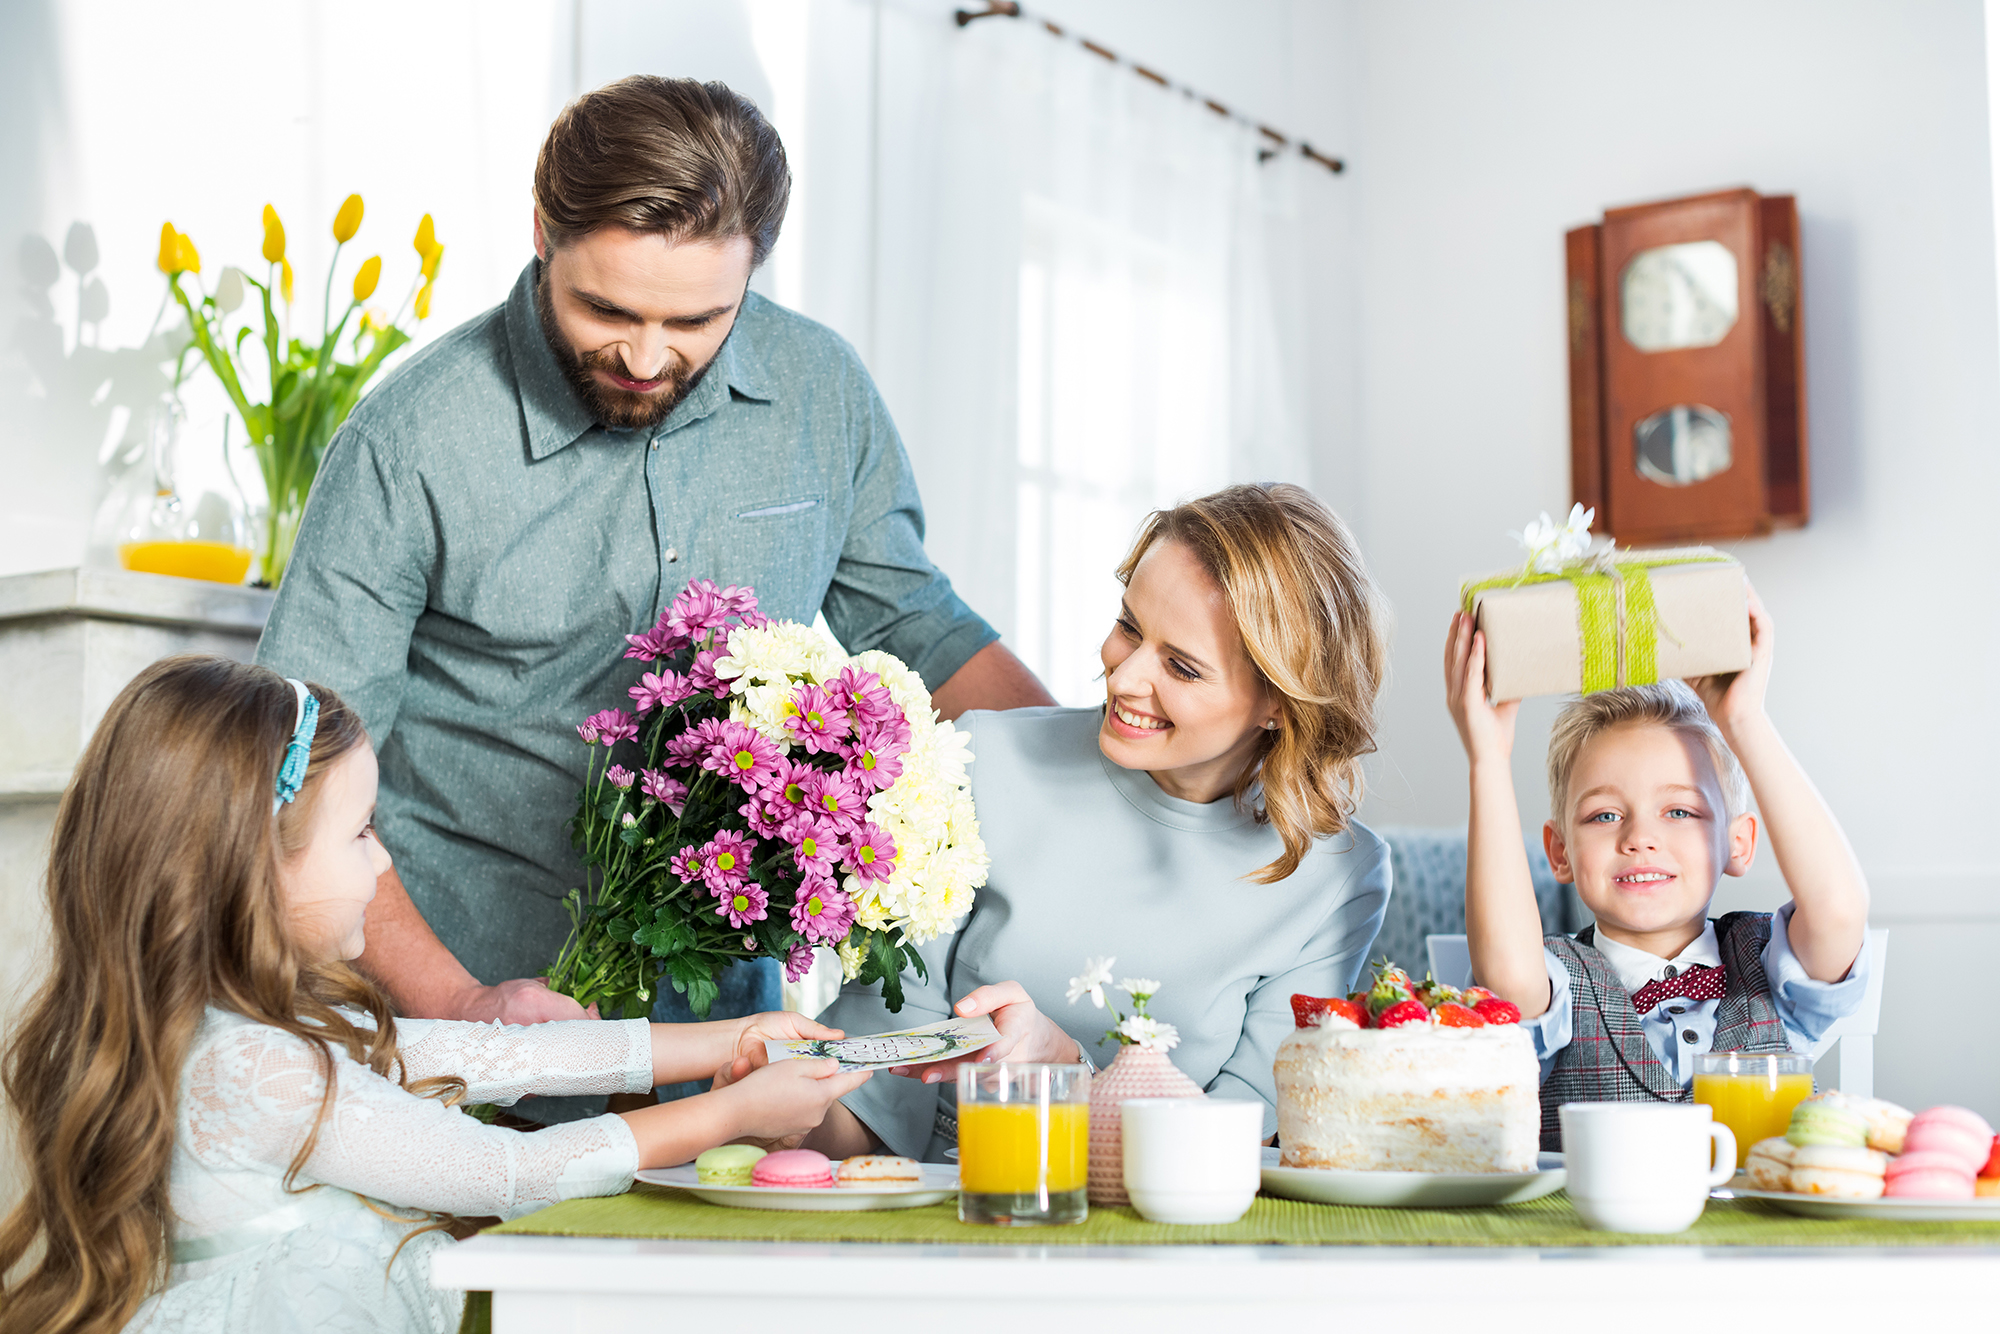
<point x="1685" y="444"/>
<point x="1675" y="296"/>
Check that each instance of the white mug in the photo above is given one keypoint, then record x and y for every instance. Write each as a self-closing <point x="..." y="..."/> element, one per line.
<point x="1192" y="1160"/>
<point x="1643" y="1166"/>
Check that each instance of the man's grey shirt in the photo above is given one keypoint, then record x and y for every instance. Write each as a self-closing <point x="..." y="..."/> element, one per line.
<point x="476" y="548"/>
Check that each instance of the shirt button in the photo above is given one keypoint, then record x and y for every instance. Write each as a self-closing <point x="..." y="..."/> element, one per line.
<point x="1689" y="1035"/>
<point x="1671" y="970"/>
<point x="1677" y="1009"/>
<point x="670" y="555"/>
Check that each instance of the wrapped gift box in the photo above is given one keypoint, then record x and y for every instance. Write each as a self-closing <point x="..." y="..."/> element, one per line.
<point x="1623" y="618"/>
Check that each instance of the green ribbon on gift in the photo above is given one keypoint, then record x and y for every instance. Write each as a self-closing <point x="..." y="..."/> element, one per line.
<point x="1617" y="620"/>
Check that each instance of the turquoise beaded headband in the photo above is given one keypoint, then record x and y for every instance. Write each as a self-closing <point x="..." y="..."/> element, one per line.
<point x="298" y="753"/>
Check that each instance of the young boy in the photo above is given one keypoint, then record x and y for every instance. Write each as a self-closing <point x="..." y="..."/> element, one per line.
<point x="1649" y="808"/>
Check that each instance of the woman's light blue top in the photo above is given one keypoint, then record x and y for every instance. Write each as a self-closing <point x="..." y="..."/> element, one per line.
<point x="1091" y="859"/>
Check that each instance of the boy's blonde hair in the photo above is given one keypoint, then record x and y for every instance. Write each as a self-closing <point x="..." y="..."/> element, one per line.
<point x="1668" y="704"/>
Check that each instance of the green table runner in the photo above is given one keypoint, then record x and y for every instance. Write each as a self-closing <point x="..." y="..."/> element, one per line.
<point x="656" y="1213"/>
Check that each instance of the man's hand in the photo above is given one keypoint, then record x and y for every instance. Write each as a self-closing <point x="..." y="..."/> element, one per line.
<point x="1738" y="699"/>
<point x="1486" y="731"/>
<point x="525" y="1000"/>
<point x="1026" y="1034"/>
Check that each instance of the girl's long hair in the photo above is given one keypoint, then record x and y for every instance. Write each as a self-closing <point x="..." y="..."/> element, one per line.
<point x="1311" y="621"/>
<point x="164" y="898"/>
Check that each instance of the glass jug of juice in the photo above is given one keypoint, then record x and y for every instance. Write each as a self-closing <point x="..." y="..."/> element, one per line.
<point x="1023" y="1143"/>
<point x="1752" y="1092"/>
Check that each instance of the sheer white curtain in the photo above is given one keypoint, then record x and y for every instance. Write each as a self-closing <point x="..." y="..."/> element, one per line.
<point x="1076" y="316"/>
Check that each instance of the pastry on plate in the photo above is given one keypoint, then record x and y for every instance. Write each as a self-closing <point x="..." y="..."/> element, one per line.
<point x="1770" y="1163"/>
<point x="1839" y="1171"/>
<point x="1886" y="1122"/>
<point x="793" y="1169"/>
<point x="878" y="1171"/>
<point x="727" y="1165"/>
<point x="1929" y="1174"/>
<point x="1962" y="1134"/>
<point x="1823" y="1123"/>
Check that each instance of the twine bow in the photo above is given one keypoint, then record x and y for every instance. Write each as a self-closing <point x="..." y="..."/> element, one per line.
<point x="1618" y="623"/>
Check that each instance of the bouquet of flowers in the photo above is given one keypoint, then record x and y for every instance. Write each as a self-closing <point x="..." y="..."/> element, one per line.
<point x="772" y="795"/>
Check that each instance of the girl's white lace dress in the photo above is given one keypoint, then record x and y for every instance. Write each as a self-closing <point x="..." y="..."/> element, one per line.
<point x="252" y="1256"/>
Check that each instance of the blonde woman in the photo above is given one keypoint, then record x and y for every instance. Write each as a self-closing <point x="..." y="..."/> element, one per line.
<point x="1198" y="825"/>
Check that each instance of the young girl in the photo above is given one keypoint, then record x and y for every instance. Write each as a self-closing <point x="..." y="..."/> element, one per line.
<point x="223" y="1126"/>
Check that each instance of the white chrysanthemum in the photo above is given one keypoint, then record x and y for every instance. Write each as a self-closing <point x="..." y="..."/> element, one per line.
<point x="850" y="960"/>
<point x="778" y="653"/>
<point x="1092" y="981"/>
<point x="1138" y="988"/>
<point x="1149" y="1033"/>
<point x="904" y="686"/>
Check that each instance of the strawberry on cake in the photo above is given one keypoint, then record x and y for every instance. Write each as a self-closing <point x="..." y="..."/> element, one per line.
<point x="1408" y="1077"/>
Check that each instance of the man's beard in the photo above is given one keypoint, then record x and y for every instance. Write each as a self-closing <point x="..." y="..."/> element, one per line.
<point x="618" y="408"/>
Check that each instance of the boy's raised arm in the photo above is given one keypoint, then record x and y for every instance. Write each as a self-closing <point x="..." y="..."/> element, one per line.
<point x="1503" y="926"/>
<point x="1828" y="888"/>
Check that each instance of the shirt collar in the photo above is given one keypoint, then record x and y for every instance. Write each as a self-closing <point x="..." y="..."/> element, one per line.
<point x="1635" y="967"/>
<point x="555" y="416"/>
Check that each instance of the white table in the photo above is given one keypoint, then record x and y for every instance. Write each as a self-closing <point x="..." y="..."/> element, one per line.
<point x="582" y="1285"/>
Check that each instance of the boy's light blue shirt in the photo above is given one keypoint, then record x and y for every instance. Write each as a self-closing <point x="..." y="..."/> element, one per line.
<point x="1678" y="1030"/>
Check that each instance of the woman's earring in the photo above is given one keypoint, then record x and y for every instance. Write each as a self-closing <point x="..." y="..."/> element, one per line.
<point x="1270" y="726"/>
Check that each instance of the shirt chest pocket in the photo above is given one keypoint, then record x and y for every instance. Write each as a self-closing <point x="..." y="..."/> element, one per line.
<point x="788" y="545"/>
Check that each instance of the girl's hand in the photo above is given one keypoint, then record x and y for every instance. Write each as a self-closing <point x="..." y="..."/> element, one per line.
<point x="1737" y="699"/>
<point x="776" y="1026"/>
<point x="1486" y="730"/>
<point x="1026" y="1034"/>
<point x="779" y="1103"/>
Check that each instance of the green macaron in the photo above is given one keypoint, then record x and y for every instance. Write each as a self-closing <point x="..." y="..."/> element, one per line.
<point x="727" y="1165"/>
<point x="1817" y="1123"/>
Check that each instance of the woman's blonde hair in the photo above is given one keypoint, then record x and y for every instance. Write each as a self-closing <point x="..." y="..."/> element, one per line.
<point x="1311" y="621"/>
<point x="1670" y="704"/>
<point x="164" y="898"/>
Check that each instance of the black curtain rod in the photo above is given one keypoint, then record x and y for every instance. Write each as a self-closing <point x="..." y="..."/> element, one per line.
<point x="1007" y="9"/>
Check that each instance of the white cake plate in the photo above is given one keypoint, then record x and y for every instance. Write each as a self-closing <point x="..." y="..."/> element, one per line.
<point x="1985" y="1209"/>
<point x="940" y="1183"/>
<point x="1412" y="1190"/>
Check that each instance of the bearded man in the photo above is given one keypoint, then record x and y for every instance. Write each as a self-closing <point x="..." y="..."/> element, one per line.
<point x="497" y="515"/>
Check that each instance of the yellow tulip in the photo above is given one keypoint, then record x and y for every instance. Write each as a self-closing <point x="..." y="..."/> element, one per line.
<point x="348" y="221"/>
<point x="367" y="276"/>
<point x="424" y="302"/>
<point x="274" y="236"/>
<point x="431" y="263"/>
<point x="372" y="321"/>
<point x="285" y="279"/>
<point x="426" y="237"/>
<point x="186" y="258"/>
<point x="169" y="248"/>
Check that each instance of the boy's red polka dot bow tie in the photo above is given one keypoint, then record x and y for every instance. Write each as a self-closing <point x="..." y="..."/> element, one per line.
<point x="1699" y="982"/>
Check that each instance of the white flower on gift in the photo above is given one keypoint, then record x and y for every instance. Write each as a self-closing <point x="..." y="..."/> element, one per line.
<point x="1138" y="988"/>
<point x="1550" y="547"/>
<point x="1141" y="1031"/>
<point x="1096" y="976"/>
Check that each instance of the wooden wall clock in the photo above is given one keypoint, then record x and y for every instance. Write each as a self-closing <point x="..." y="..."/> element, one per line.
<point x="1687" y="368"/>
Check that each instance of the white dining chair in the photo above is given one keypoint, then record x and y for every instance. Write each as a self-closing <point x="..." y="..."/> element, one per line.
<point x="1451" y="964"/>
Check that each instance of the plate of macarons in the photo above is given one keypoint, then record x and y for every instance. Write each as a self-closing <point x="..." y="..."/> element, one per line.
<point x="741" y="1176"/>
<point x="1849" y="1157"/>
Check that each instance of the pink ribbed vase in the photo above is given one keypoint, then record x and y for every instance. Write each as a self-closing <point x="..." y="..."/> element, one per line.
<point x="1139" y="1072"/>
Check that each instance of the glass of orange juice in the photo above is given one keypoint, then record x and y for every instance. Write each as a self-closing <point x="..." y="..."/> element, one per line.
<point x="1752" y="1092"/>
<point x="1023" y="1143"/>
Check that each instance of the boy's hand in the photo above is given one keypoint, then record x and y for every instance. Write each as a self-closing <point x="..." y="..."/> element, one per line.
<point x="1486" y="730"/>
<point x="780" y="1102"/>
<point x="1736" y="699"/>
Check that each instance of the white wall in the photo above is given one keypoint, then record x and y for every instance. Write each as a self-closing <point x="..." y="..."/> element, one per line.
<point x="1483" y="133"/>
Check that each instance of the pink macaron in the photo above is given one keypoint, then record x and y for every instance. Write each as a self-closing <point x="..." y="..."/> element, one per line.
<point x="802" y="1168"/>
<point x="1951" y="1130"/>
<point x="1927" y="1174"/>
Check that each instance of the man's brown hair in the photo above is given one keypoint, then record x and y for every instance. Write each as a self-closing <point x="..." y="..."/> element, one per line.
<point x="694" y="161"/>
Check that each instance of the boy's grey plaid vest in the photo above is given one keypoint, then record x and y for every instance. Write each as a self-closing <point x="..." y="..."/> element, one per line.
<point x="1608" y="1058"/>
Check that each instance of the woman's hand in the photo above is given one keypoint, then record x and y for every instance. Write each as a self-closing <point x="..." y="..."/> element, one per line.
<point x="775" y="1105"/>
<point x="1737" y="699"/>
<point x="1486" y="730"/>
<point x="1026" y="1034"/>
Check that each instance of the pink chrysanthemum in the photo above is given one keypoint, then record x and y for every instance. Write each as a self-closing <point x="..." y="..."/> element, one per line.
<point x="619" y="777"/>
<point x="726" y="860"/>
<point x="689" y="866"/>
<point x="701" y="672"/>
<point x="868" y="698"/>
<point x="656" y="643"/>
<point x="701" y="607"/>
<point x="798" y="961"/>
<point x="822" y="913"/>
<point x="610" y="726"/>
<point x="686" y="748"/>
<point x="765" y="819"/>
<point x="743" y="905"/>
<point x="658" y="691"/>
<point x="669" y="791"/>
<point x="875" y="753"/>
<point x="836" y="795"/>
<point x="815" y="841"/>
<point x="786" y="789"/>
<point x="871" y="853"/>
<point x="815" y="719"/>
<point x="741" y="754"/>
